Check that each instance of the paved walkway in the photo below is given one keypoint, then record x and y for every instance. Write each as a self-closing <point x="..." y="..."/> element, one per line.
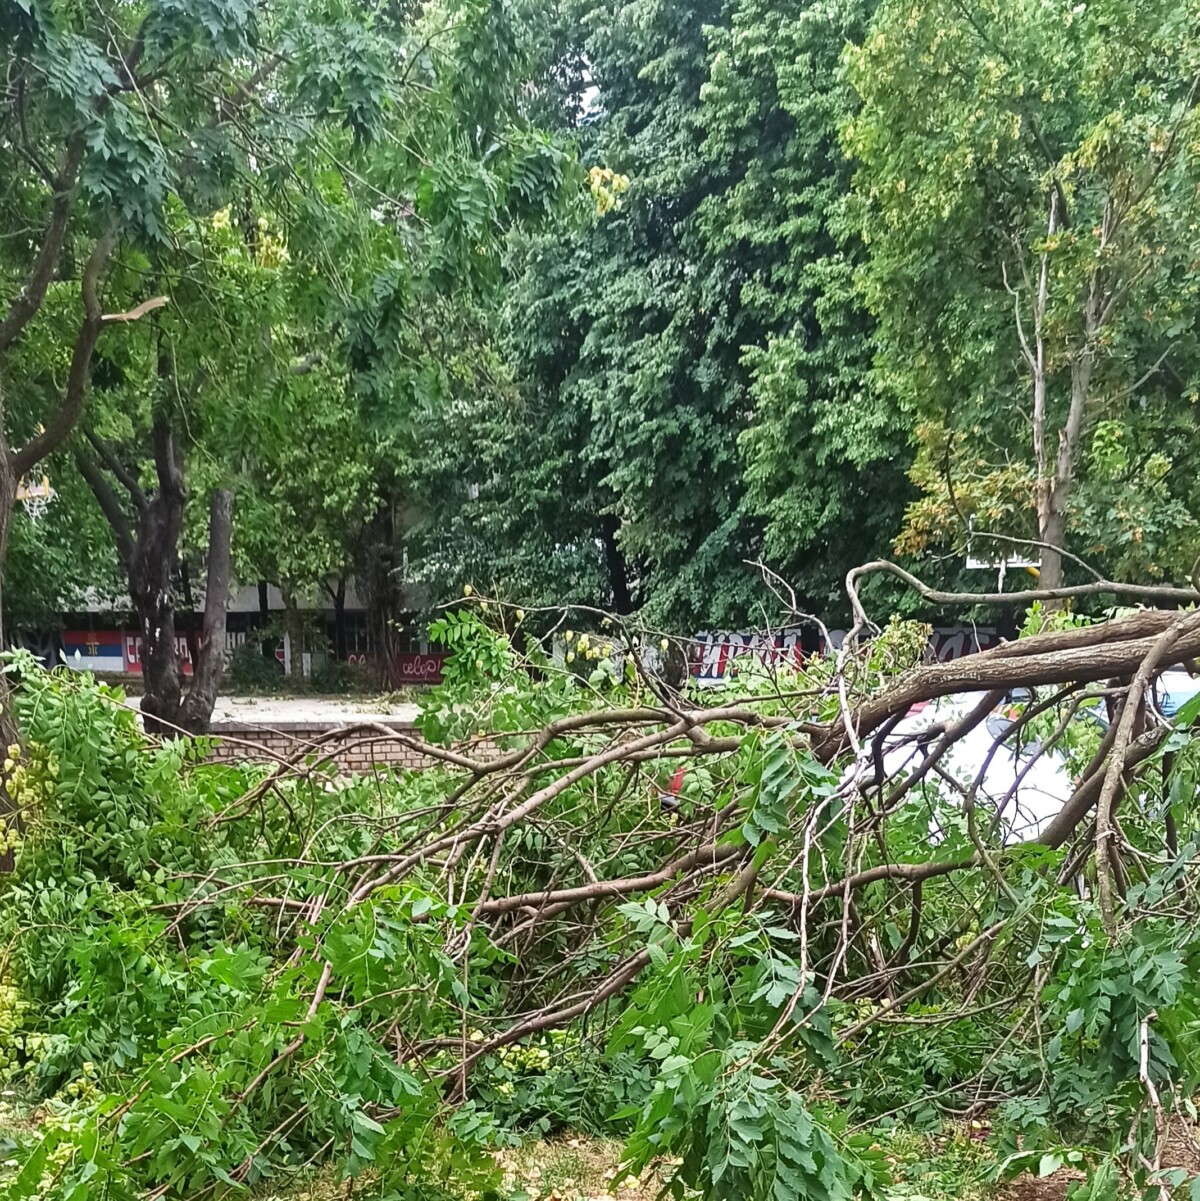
<point x="285" y="710"/>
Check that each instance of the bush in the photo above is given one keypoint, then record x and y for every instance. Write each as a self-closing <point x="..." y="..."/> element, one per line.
<point x="252" y="671"/>
<point x="334" y="677"/>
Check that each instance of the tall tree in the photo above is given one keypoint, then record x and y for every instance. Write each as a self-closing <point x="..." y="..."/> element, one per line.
<point x="691" y="358"/>
<point x="88" y="161"/>
<point x="382" y="153"/>
<point x="168" y="420"/>
<point x="637" y="339"/>
<point x="1029" y="197"/>
<point x="824" y="449"/>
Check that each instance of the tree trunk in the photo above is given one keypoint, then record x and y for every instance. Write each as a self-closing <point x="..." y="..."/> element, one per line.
<point x="150" y="556"/>
<point x="339" y="621"/>
<point x="375" y="572"/>
<point x="264" y="617"/>
<point x="614" y="560"/>
<point x="293" y="628"/>
<point x="208" y="664"/>
<point x="1054" y="496"/>
<point x="152" y="588"/>
<point x="1053" y="533"/>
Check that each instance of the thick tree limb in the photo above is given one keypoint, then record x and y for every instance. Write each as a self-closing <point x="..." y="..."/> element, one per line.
<point x="110" y="506"/>
<point x="1066" y="821"/>
<point x="70" y="408"/>
<point x="1147" y="592"/>
<point x="207" y="671"/>
<point x="112" y="461"/>
<point x="1102" y="659"/>
<point x="27" y="302"/>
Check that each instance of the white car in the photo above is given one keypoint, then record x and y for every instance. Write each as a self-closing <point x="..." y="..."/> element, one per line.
<point x="1026" y="791"/>
<point x="1173" y="689"/>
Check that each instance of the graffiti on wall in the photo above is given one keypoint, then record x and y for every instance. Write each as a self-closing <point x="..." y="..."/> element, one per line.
<point x="419" y="668"/>
<point x="42" y="646"/>
<point x="120" y="651"/>
<point x="713" y="656"/>
<point x="952" y="642"/>
<point x="133" y="654"/>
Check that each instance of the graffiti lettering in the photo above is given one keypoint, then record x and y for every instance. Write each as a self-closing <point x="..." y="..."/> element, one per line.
<point x="419" y="668"/>
<point x="133" y="654"/>
<point x="713" y="655"/>
<point x="952" y="642"/>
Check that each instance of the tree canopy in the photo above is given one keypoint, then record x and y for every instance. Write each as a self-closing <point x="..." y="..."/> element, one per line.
<point x="608" y="305"/>
<point x="613" y="322"/>
<point x="1029" y="194"/>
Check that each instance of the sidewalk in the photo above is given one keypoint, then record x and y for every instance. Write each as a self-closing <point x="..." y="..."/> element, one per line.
<point x="304" y="710"/>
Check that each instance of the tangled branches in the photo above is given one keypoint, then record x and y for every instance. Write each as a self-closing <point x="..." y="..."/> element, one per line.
<point x="610" y="901"/>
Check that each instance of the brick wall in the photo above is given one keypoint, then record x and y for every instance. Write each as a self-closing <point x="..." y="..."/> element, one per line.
<point x="358" y="750"/>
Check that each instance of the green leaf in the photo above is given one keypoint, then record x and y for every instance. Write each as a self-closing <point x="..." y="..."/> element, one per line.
<point x="1049" y="1163"/>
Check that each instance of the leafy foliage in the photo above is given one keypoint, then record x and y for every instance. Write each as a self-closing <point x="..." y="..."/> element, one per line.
<point x="401" y="974"/>
<point x="1028" y="197"/>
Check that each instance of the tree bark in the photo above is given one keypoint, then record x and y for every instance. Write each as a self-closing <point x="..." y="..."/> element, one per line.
<point x="149" y="553"/>
<point x="152" y="586"/>
<point x="1050" y="530"/>
<point x="614" y="561"/>
<point x="339" y="621"/>
<point x="1053" y="533"/>
<point x="375" y="571"/>
<point x="1054" y="494"/>
<point x="267" y="645"/>
<point x="208" y="666"/>
<point x="1115" y="648"/>
<point x="293" y="628"/>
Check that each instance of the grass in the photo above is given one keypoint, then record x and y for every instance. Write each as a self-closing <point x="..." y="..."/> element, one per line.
<point x="949" y="1166"/>
<point x="574" y="1168"/>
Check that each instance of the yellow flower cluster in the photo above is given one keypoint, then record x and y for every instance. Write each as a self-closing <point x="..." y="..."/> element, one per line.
<point x="606" y="187"/>
<point x="584" y="648"/>
<point x="270" y="249"/>
<point x="28" y="778"/>
<point x="531" y="1060"/>
<point x="19" y="1049"/>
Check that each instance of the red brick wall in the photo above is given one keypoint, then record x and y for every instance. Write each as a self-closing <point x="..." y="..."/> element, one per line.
<point x="357" y="751"/>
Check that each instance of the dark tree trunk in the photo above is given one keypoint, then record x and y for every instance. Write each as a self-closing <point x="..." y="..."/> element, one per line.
<point x="152" y="586"/>
<point x="264" y="616"/>
<point x="375" y="571"/>
<point x="208" y="663"/>
<point x="294" y="629"/>
<point x="614" y="561"/>
<point x="339" y="621"/>
<point x="150" y="555"/>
